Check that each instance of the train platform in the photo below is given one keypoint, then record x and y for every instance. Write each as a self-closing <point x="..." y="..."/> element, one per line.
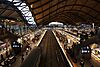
<point x="43" y="52"/>
<point x="51" y="54"/>
<point x="89" y="63"/>
<point x="34" y="48"/>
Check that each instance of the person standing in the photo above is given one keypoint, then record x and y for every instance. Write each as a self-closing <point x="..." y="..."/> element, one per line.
<point x="2" y="58"/>
<point x="22" y="57"/>
<point x="82" y="63"/>
<point x="6" y="53"/>
<point x="27" y="50"/>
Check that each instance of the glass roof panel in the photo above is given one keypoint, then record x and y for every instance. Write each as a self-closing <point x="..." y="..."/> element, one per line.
<point x="16" y="0"/>
<point x="19" y="8"/>
<point x="10" y="0"/>
<point x="31" y="19"/>
<point x="25" y="10"/>
<point x="27" y="18"/>
<point x="16" y="4"/>
<point x="28" y="14"/>
<point x="23" y="4"/>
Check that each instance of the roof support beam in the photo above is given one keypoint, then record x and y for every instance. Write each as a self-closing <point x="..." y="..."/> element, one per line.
<point x="34" y="2"/>
<point x="48" y="8"/>
<point x="67" y="6"/>
<point x="5" y="17"/>
<point x="60" y="15"/>
<point x="97" y="1"/>
<point x="66" y="15"/>
<point x="71" y="10"/>
<point x="42" y="5"/>
<point x="11" y="4"/>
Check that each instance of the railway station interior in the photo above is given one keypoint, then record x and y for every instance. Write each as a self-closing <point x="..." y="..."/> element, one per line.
<point x="49" y="33"/>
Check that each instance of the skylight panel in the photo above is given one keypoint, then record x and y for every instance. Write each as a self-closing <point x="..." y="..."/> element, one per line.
<point x="16" y="0"/>
<point x="23" y="4"/>
<point x="10" y="0"/>
<point x="19" y="8"/>
<point x="31" y="19"/>
<point x="27" y="7"/>
<point x="25" y="10"/>
<point x="28" y="14"/>
<point x="16" y="4"/>
<point x="26" y="18"/>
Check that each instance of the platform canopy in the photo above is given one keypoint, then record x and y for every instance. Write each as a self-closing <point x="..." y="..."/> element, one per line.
<point x="66" y="11"/>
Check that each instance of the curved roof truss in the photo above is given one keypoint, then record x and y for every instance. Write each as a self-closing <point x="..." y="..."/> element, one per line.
<point x="43" y="10"/>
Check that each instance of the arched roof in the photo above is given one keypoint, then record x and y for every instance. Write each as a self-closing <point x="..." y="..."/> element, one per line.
<point x="66" y="11"/>
<point x="15" y="10"/>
